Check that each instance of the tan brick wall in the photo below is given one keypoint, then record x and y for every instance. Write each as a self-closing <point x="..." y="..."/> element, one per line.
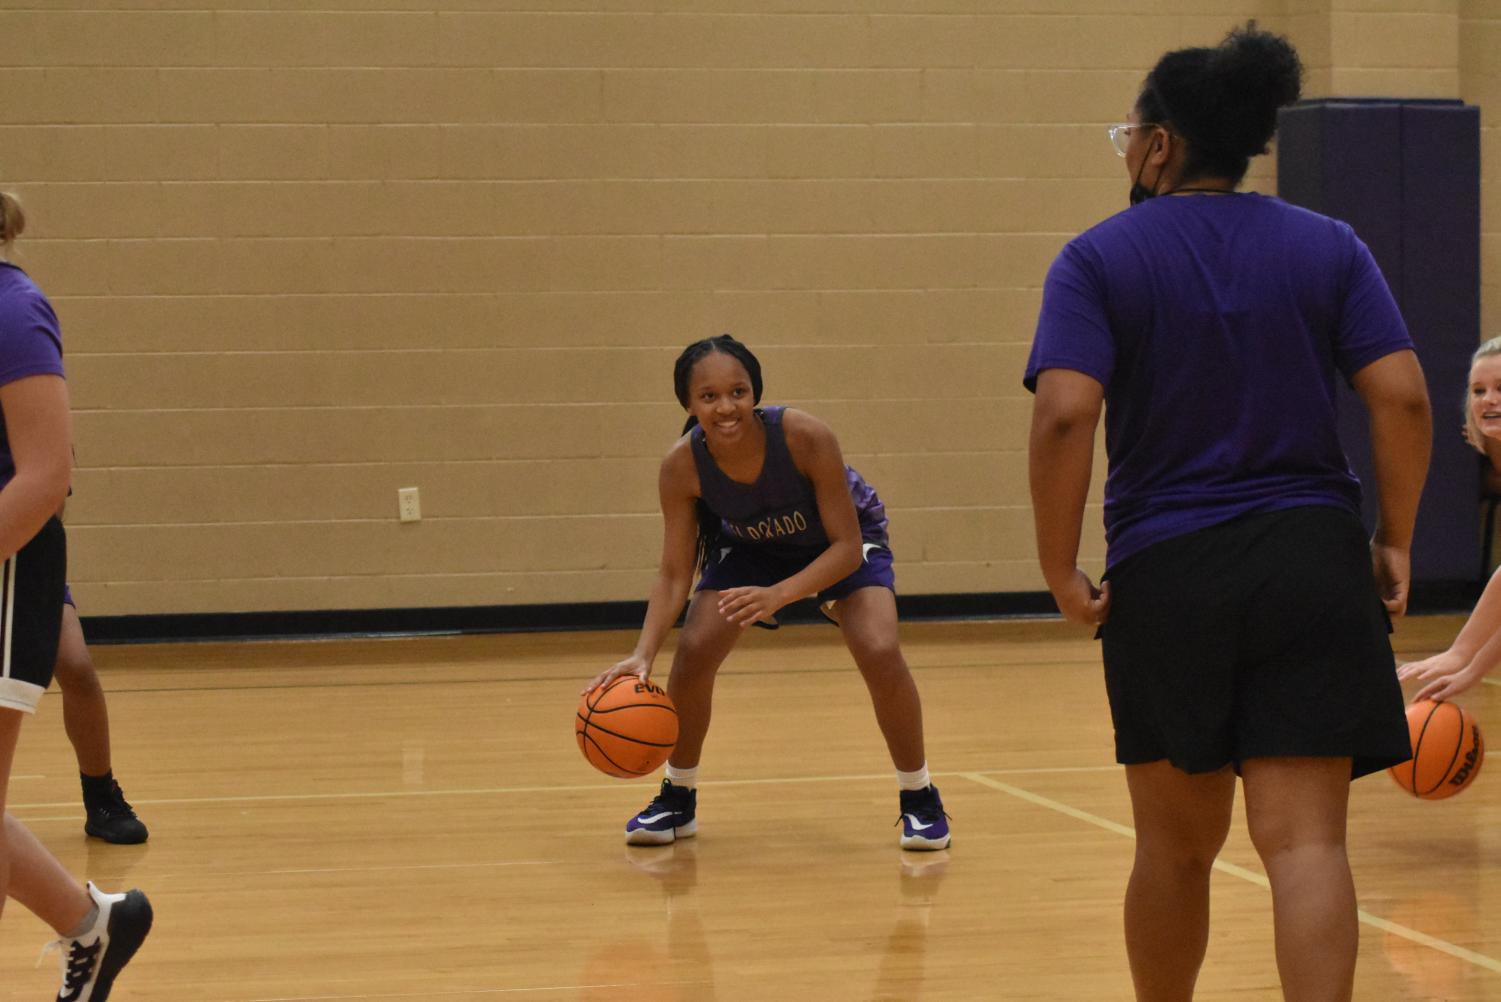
<point x="306" y="258"/>
<point x="1480" y="84"/>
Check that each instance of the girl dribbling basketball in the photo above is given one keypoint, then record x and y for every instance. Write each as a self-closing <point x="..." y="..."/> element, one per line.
<point x="758" y="503"/>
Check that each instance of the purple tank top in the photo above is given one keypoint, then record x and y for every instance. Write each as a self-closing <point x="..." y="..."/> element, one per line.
<point x="780" y="510"/>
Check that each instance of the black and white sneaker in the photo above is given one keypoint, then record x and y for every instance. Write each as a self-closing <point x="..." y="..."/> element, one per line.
<point x="91" y="962"/>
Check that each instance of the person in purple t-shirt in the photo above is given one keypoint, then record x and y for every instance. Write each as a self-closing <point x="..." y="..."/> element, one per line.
<point x="98" y="932"/>
<point x="1244" y="615"/>
<point x="758" y="502"/>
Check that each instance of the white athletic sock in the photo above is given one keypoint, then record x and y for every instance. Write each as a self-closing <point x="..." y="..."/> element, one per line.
<point x="686" y="778"/>
<point x="915" y="780"/>
<point x="85" y="924"/>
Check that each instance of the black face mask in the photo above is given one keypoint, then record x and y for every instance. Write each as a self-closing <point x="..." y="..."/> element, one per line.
<point x="1140" y="192"/>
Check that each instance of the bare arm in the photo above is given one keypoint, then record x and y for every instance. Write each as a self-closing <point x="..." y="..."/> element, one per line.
<point x="39" y="427"/>
<point x="677" y="489"/>
<point x="817" y="455"/>
<point x="1483" y="628"/>
<point x="1401" y="424"/>
<point x="1473" y="655"/>
<point x="1060" y="458"/>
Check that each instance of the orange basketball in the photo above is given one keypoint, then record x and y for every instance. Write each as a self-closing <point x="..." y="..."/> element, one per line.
<point x="626" y="728"/>
<point x="1446" y="750"/>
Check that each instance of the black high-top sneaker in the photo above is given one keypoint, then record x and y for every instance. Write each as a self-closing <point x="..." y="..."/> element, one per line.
<point x="670" y="816"/>
<point x="108" y="816"/>
<point x="924" y="824"/>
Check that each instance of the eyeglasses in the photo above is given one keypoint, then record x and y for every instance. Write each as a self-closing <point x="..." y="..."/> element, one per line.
<point x="1120" y="134"/>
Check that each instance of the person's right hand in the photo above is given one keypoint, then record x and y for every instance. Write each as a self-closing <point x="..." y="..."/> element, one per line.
<point x="633" y="665"/>
<point x="1447" y="674"/>
<point x="1081" y="602"/>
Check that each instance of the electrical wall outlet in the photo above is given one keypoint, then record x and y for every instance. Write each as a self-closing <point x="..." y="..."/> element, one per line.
<point x="408" y="504"/>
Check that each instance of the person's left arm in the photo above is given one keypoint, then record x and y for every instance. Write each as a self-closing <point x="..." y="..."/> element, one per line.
<point x="816" y="453"/>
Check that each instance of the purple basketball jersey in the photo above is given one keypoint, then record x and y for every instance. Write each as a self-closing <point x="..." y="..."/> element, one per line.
<point x="779" y="512"/>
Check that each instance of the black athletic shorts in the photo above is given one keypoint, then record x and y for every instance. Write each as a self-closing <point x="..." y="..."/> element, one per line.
<point x="1261" y="636"/>
<point x="31" y="617"/>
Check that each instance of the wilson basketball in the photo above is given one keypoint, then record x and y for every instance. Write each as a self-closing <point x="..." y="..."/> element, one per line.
<point x="1447" y="750"/>
<point x="626" y="728"/>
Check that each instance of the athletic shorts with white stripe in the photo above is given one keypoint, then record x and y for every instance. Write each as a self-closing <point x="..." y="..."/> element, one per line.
<point x="31" y="610"/>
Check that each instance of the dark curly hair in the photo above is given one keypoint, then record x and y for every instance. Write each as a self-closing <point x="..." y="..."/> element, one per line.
<point x="682" y="372"/>
<point x="1223" y="100"/>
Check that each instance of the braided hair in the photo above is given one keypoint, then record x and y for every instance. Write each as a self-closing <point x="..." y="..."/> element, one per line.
<point x="682" y="372"/>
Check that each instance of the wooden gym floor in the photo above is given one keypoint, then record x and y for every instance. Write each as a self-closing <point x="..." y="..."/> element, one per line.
<point x="410" y="819"/>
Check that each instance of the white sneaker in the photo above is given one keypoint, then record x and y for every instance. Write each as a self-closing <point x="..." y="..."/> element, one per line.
<point x="91" y="962"/>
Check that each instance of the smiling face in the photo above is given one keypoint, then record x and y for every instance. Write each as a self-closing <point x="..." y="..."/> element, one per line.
<point x="721" y="397"/>
<point x="1484" y="411"/>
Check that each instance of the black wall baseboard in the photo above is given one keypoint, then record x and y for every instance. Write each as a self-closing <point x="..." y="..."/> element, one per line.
<point x="169" y="628"/>
<point x="1428" y="597"/>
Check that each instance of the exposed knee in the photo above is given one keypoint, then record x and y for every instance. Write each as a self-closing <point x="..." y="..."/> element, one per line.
<point x="695" y="660"/>
<point x="1277" y="830"/>
<point x="1187" y="842"/>
<point x="1276" y="838"/>
<point x="1183" y="853"/>
<point x="879" y="660"/>
<point x="75" y="674"/>
<point x="1293" y="805"/>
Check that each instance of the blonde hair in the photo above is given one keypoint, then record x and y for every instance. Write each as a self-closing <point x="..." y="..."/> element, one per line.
<point x="12" y="221"/>
<point x="1472" y="429"/>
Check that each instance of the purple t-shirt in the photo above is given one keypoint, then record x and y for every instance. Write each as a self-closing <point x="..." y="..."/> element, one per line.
<point x="1216" y="324"/>
<point x="30" y="342"/>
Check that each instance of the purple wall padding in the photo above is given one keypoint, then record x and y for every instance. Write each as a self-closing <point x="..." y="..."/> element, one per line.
<point x="1406" y="175"/>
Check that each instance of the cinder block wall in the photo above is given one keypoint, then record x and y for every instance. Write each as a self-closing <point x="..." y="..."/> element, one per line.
<point x="1480" y="84"/>
<point x="306" y="258"/>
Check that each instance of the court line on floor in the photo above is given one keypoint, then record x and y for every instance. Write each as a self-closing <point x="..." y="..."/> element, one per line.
<point x="1250" y="876"/>
<point x="549" y="789"/>
<point x="414" y="866"/>
<point x="455" y="993"/>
